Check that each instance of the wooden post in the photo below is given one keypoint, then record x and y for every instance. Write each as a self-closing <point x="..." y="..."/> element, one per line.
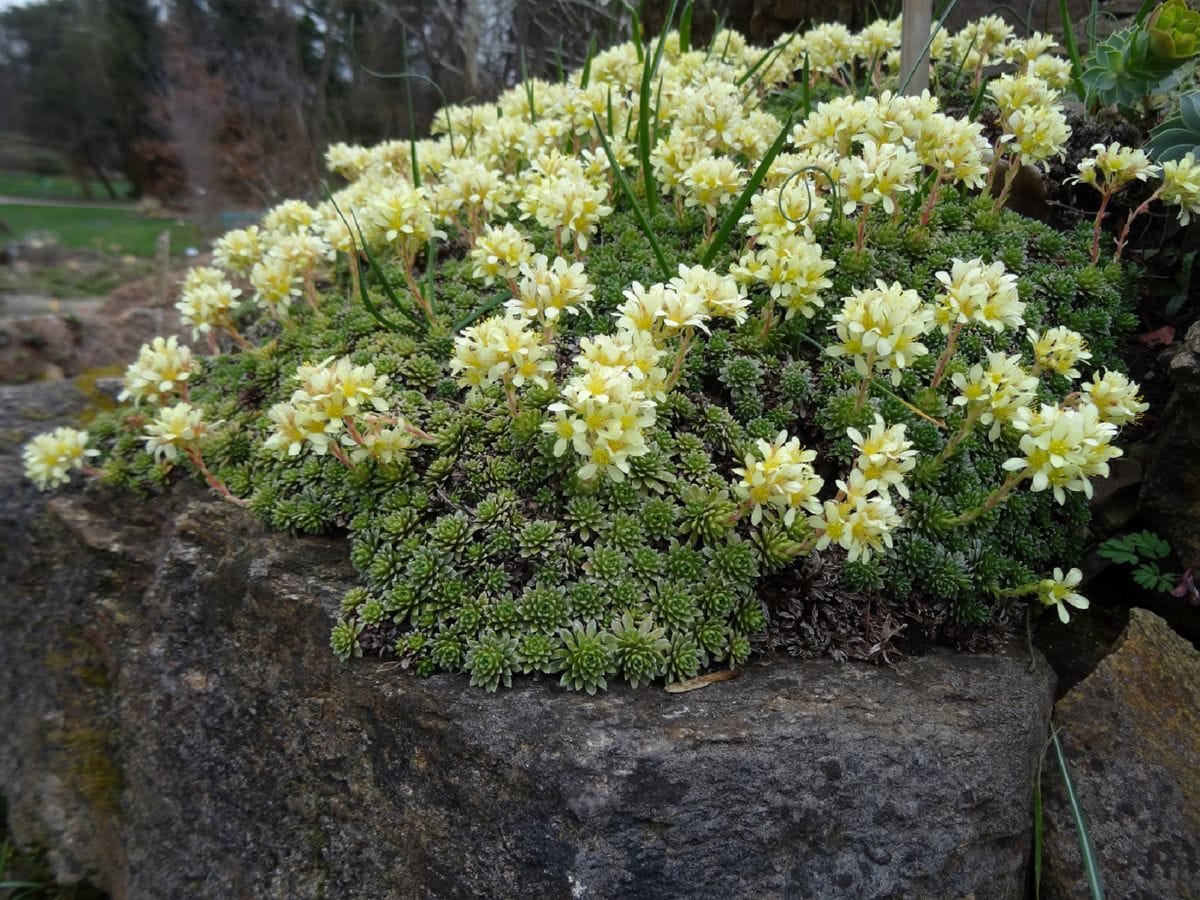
<point x="914" y="45"/>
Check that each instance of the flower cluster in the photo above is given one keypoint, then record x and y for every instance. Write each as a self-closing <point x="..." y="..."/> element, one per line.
<point x="793" y="269"/>
<point x="1181" y="186"/>
<point x="1035" y="127"/>
<point x="880" y="329"/>
<point x="1059" y="350"/>
<point x="338" y="407"/>
<point x="545" y="291"/>
<point x="992" y="394"/>
<point x="499" y="253"/>
<point x="885" y="456"/>
<point x="174" y="430"/>
<point x="662" y="452"/>
<point x="161" y="369"/>
<point x="51" y="457"/>
<point x="782" y="476"/>
<point x="977" y="293"/>
<point x="1114" y="167"/>
<point x="1062" y="448"/>
<point x="860" y="520"/>
<point x="207" y="304"/>
<point x="1059" y="591"/>
<point x="504" y="350"/>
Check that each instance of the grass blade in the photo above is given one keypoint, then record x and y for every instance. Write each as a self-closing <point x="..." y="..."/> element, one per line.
<point x="806" y="88"/>
<point x="375" y="73"/>
<point x="743" y="200"/>
<point x="977" y="103"/>
<point x="718" y="26"/>
<point x="643" y="138"/>
<point x="408" y="103"/>
<point x="482" y="309"/>
<point x="766" y="56"/>
<point x="1072" y="49"/>
<point x="587" y="63"/>
<point x="1091" y="866"/>
<point x="657" y="107"/>
<point x="685" y="27"/>
<point x="635" y="29"/>
<point x="362" y="286"/>
<point x="649" y="71"/>
<point x="638" y="213"/>
<point x="388" y="290"/>
<point x="528" y="88"/>
<point x="430" y="271"/>
<point x="1143" y="11"/>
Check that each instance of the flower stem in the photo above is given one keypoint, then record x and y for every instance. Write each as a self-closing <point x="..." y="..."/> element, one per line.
<point x="351" y="430"/>
<point x="214" y="482"/>
<point x="237" y="337"/>
<point x="864" y="384"/>
<point x="961" y="435"/>
<point x="927" y="210"/>
<point x="940" y="371"/>
<point x="1014" y="167"/>
<point x="997" y="497"/>
<point x="768" y="316"/>
<point x="310" y="289"/>
<point x="415" y="289"/>
<point x="1124" y="238"/>
<point x="685" y="342"/>
<point x="340" y="455"/>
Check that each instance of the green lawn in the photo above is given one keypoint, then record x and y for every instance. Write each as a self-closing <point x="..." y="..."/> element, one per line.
<point x="54" y="187"/>
<point x="116" y="231"/>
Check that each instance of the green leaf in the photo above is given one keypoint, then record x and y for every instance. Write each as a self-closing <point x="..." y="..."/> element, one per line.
<point x="1068" y="30"/>
<point x="635" y="29"/>
<point x="482" y="309"/>
<point x="1149" y="577"/>
<point x="649" y="70"/>
<point x="587" y="63"/>
<point x="638" y="213"/>
<point x="1189" y="110"/>
<point x="685" y="27"/>
<point x="1091" y="866"/>
<point x="739" y="206"/>
<point x="1150" y="545"/>
<point x="1172" y="139"/>
<point x="1119" y="550"/>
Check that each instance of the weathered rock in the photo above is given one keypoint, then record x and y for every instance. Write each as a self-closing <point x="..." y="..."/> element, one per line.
<point x="77" y="340"/>
<point x="1170" y="497"/>
<point x="173" y="724"/>
<point x="1131" y="731"/>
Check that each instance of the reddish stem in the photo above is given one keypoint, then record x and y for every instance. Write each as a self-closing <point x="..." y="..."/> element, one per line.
<point x="1124" y="238"/>
<point x="1100" y="214"/>
<point x="213" y="481"/>
<point x="940" y="371"/>
<point x="927" y="211"/>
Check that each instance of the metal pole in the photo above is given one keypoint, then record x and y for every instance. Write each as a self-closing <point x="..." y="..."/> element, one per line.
<point x="914" y="45"/>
